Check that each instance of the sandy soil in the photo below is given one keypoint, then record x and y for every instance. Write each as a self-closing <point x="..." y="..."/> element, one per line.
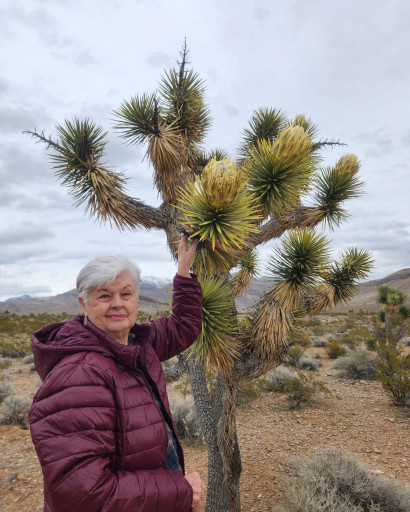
<point x="357" y="418"/>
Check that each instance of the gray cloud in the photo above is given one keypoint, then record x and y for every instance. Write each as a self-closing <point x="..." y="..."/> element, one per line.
<point x="231" y="111"/>
<point x="158" y="59"/>
<point x="17" y="119"/>
<point x="24" y="233"/>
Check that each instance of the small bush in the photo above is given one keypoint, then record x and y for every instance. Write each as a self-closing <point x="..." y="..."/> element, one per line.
<point x="332" y="481"/>
<point x="394" y="375"/>
<point x="4" y="362"/>
<point x="294" y="355"/>
<point x="14" y="410"/>
<point x="302" y="388"/>
<point x="15" y="346"/>
<point x="334" y="349"/>
<point x="307" y="363"/>
<point x="5" y="391"/>
<point x="247" y="391"/>
<point x="277" y="379"/>
<point x="28" y="359"/>
<point x="357" y="365"/>
<point x="300" y="337"/>
<point x="186" y="420"/>
<point x="371" y="344"/>
<point x="320" y="342"/>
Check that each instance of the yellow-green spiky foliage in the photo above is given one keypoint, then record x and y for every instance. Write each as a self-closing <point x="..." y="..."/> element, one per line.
<point x="248" y="267"/>
<point x="218" y="208"/>
<point x="279" y="172"/>
<point x="217" y="342"/>
<point x="333" y="186"/>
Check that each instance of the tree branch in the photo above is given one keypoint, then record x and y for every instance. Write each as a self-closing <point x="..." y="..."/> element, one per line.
<point x="320" y="144"/>
<point x="301" y="216"/>
<point x="41" y="138"/>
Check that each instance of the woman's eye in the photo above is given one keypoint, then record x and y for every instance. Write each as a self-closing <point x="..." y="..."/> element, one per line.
<point x="126" y="294"/>
<point x="104" y="296"/>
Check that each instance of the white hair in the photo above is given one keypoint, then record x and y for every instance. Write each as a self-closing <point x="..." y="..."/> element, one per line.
<point x="104" y="270"/>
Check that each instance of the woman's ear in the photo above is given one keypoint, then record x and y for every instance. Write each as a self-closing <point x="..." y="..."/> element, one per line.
<point x="81" y="301"/>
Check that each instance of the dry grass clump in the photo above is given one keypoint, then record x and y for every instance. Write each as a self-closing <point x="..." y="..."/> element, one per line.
<point x="14" y="410"/>
<point x="334" y="349"/>
<point x="357" y="365"/>
<point x="276" y="379"/>
<point x="5" y="391"/>
<point x="28" y="359"/>
<point x="333" y="481"/>
<point x="4" y="362"/>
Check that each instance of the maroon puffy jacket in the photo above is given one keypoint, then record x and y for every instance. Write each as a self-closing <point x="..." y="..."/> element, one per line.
<point x="98" y="433"/>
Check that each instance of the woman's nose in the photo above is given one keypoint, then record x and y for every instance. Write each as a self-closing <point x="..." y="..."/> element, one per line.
<point x="116" y="300"/>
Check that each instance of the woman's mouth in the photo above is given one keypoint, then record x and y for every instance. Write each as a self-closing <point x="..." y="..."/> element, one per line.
<point x="116" y="317"/>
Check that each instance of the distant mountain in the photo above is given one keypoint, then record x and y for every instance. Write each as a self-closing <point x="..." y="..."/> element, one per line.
<point x="366" y="296"/>
<point x="155" y="295"/>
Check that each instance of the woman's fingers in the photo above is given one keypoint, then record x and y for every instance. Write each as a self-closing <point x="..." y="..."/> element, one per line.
<point x="198" y="488"/>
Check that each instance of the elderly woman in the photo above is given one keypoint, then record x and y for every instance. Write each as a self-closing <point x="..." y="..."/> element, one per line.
<point x="101" y="422"/>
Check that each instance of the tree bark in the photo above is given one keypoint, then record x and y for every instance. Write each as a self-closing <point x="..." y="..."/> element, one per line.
<point x="223" y="489"/>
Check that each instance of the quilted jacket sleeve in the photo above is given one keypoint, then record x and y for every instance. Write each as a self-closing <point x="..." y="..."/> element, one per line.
<point x="73" y="422"/>
<point x="175" y="333"/>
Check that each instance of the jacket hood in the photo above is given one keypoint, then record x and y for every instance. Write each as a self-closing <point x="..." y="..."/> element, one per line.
<point x="55" y="341"/>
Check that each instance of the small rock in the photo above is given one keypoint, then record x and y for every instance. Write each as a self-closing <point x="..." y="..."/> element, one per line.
<point x="377" y="471"/>
<point x="391" y="419"/>
<point x="376" y="450"/>
<point x="12" y="477"/>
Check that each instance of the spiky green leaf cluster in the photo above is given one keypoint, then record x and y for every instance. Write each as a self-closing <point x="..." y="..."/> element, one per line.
<point x="250" y="261"/>
<point x="78" y="164"/>
<point x="83" y="143"/>
<point x="299" y="260"/>
<point x="345" y="273"/>
<point x="265" y="124"/>
<point x="390" y="296"/>
<point x="334" y="186"/>
<point x="215" y="341"/>
<point x="229" y="226"/>
<point x="280" y="172"/>
<point x="183" y="103"/>
<point x="136" y="119"/>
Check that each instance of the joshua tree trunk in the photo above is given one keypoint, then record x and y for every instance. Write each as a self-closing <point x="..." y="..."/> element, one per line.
<point x="218" y="423"/>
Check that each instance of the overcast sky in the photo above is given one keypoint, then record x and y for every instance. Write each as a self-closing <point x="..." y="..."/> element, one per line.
<point x="343" y="64"/>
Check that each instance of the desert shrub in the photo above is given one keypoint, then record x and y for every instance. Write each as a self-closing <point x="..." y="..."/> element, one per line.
<point x="5" y="391"/>
<point x="302" y="388"/>
<point x="247" y="391"/>
<point x="14" y="410"/>
<point x="335" y="349"/>
<point x="4" y="362"/>
<point x="186" y="420"/>
<point x="15" y="346"/>
<point x="371" y="344"/>
<point x="317" y="330"/>
<point x="357" y="365"/>
<point x="320" y="342"/>
<point x="28" y="359"/>
<point x="333" y="481"/>
<point x="313" y="322"/>
<point x="294" y="354"/>
<point x="393" y="371"/>
<point x="300" y="337"/>
<point x="307" y="363"/>
<point x="277" y="379"/>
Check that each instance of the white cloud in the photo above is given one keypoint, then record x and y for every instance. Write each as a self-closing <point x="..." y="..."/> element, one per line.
<point x="342" y="65"/>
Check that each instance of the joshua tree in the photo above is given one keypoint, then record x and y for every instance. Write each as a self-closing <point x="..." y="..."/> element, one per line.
<point x="394" y="315"/>
<point x="233" y="208"/>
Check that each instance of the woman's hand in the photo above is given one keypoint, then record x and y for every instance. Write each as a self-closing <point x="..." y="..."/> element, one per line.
<point x="199" y="490"/>
<point x="185" y="255"/>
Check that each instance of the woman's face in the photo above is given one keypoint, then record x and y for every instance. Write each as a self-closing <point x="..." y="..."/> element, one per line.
<point x="113" y="307"/>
